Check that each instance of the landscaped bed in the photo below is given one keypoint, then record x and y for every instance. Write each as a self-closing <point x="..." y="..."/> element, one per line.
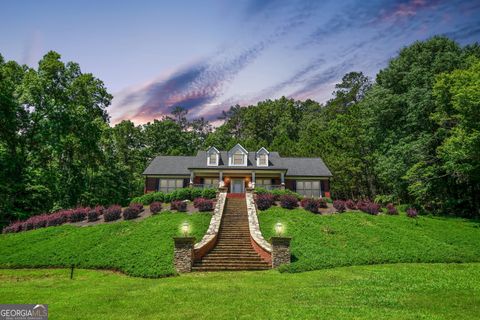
<point x="402" y="291"/>
<point x="138" y="248"/>
<point x="357" y="238"/>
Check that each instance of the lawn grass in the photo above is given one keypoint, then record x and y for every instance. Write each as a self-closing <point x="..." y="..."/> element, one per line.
<point x="402" y="291"/>
<point x="138" y="248"/>
<point x="325" y="241"/>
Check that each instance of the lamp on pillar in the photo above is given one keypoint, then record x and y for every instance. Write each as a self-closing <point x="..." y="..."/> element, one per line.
<point x="192" y="176"/>
<point x="282" y="180"/>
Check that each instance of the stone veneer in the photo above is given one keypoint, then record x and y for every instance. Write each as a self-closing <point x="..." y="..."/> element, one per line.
<point x="213" y="228"/>
<point x="280" y="251"/>
<point x="255" y="232"/>
<point x="183" y="254"/>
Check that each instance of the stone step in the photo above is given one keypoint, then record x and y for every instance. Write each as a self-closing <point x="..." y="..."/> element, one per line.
<point x="211" y="269"/>
<point x="231" y="259"/>
<point x="233" y="264"/>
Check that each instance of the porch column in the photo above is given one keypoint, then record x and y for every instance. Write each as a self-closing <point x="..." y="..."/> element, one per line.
<point x="192" y="176"/>
<point x="282" y="180"/>
<point x="253" y="179"/>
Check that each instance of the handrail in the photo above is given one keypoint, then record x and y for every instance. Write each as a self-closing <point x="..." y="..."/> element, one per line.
<point x="210" y="238"/>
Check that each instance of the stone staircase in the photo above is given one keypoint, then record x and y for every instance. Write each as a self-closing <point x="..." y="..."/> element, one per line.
<point x="233" y="250"/>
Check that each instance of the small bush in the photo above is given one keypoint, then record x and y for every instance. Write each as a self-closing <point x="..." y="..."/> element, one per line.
<point x="322" y="203"/>
<point x="260" y="190"/>
<point x="92" y="215"/>
<point x="180" y="194"/>
<point x="196" y="193"/>
<point x="149" y="198"/>
<point x="288" y="201"/>
<point x="180" y="206"/>
<point x="339" y="205"/>
<point x="412" y="212"/>
<point x="279" y="193"/>
<point x="58" y="218"/>
<point x="209" y="193"/>
<point x="155" y="207"/>
<point x="130" y="213"/>
<point x="391" y="210"/>
<point x="373" y="208"/>
<point x="310" y="204"/>
<point x="113" y="213"/>
<point x="78" y="214"/>
<point x="350" y="204"/>
<point x="362" y="205"/>
<point x="264" y="201"/>
<point x="204" y="204"/>
<point x="14" y="227"/>
<point x="136" y="206"/>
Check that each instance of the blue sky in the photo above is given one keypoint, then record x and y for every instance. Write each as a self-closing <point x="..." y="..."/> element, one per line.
<point x="209" y="55"/>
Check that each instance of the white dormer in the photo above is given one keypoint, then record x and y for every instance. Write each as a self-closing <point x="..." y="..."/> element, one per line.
<point x="262" y="157"/>
<point x="237" y="156"/>
<point x="213" y="156"/>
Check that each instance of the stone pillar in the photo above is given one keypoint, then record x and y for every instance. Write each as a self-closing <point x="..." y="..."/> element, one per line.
<point x="280" y="251"/>
<point x="282" y="180"/>
<point x="183" y="252"/>
<point x="192" y="176"/>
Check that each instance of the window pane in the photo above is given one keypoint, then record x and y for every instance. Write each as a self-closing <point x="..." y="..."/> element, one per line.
<point x="179" y="183"/>
<point x="262" y="159"/>
<point x="299" y="185"/>
<point x="315" y="184"/>
<point x="238" y="158"/>
<point x="163" y="183"/>
<point x="308" y="184"/>
<point x="171" y="183"/>
<point x="215" y="182"/>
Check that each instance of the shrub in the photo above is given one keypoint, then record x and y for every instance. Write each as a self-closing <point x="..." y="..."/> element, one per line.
<point x="373" y="208"/>
<point x="362" y="205"/>
<point x="310" y="204"/>
<point x="57" y="218"/>
<point x="339" y="205"/>
<point x="209" y="193"/>
<point x="412" y="212"/>
<point x="196" y="193"/>
<point x="204" y="204"/>
<point x="14" y="227"/>
<point x="130" y="213"/>
<point x="278" y="193"/>
<point x="112" y="213"/>
<point x="322" y="203"/>
<point x="180" y="194"/>
<point x="350" y="204"/>
<point x="155" y="207"/>
<point x="78" y="214"/>
<point x="167" y="197"/>
<point x="179" y="205"/>
<point x="288" y="201"/>
<point x="264" y="201"/>
<point x="136" y="206"/>
<point x="384" y="199"/>
<point x="260" y="190"/>
<point x="93" y="215"/>
<point x="149" y="198"/>
<point x="391" y="209"/>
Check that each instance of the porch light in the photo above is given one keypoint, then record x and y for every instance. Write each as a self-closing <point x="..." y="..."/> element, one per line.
<point x="185" y="229"/>
<point x="279" y="228"/>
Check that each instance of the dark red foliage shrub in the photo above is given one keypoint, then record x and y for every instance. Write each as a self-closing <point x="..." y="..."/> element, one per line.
<point x="322" y="203"/>
<point x="412" y="212"/>
<point x="362" y="205"/>
<point x="58" y="218"/>
<point x="179" y="205"/>
<point x="350" y="204"/>
<point x="92" y="215"/>
<point x="35" y="222"/>
<point x="130" y="213"/>
<point x="373" y="208"/>
<point x="339" y="205"/>
<point x="100" y="210"/>
<point x="288" y="201"/>
<point x="204" y="204"/>
<point x="112" y="213"/>
<point x="310" y="204"/>
<point x="265" y="201"/>
<point x="155" y="207"/>
<point x="136" y="206"/>
<point x="391" y="209"/>
<point x="196" y="201"/>
<point x="78" y="214"/>
<point x="14" y="227"/>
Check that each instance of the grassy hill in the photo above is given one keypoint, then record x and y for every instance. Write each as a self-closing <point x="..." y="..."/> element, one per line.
<point x="401" y="291"/>
<point x="143" y="248"/>
<point x="325" y="241"/>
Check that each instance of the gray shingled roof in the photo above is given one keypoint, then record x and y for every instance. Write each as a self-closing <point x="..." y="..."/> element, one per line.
<point x="180" y="165"/>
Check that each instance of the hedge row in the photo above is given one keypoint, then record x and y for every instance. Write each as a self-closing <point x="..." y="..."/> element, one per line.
<point x="277" y="193"/>
<point x="179" y="194"/>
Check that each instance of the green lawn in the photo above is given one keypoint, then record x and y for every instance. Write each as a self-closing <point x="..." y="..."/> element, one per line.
<point x="143" y="248"/>
<point x="325" y="241"/>
<point x="402" y="291"/>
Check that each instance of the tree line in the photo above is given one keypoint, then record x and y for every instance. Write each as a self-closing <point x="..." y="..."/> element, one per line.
<point x="410" y="135"/>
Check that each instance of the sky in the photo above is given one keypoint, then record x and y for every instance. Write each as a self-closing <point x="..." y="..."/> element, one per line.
<point x="208" y="55"/>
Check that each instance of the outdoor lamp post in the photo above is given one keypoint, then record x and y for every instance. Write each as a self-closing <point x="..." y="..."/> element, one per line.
<point x="279" y="228"/>
<point x="185" y="229"/>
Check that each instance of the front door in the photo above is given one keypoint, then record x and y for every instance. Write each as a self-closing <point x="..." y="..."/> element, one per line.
<point x="237" y="186"/>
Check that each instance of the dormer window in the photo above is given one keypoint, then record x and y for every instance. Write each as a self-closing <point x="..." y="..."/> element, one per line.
<point x="237" y="156"/>
<point x="212" y="156"/>
<point x="262" y="157"/>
